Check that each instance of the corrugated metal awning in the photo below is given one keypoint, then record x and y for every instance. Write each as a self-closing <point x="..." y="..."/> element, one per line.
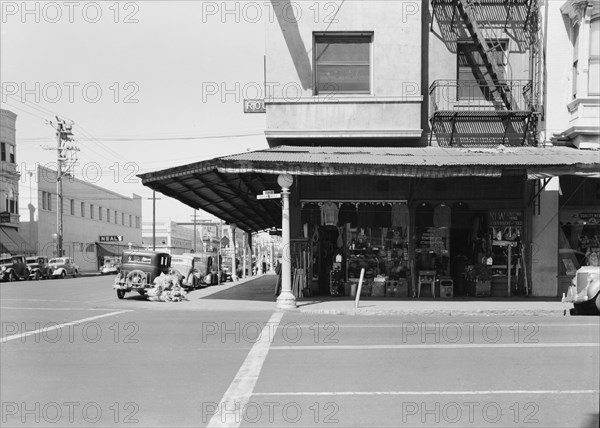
<point x="227" y="186"/>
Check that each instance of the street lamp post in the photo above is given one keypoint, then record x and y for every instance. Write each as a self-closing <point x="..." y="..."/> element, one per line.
<point x="286" y="300"/>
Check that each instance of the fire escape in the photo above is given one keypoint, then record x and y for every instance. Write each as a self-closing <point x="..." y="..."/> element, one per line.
<point x="491" y="108"/>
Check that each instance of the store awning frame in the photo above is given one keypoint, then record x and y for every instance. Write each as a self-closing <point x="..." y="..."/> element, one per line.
<point x="11" y="242"/>
<point x="227" y="186"/>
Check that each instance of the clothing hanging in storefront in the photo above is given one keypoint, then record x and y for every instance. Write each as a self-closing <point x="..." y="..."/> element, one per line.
<point x="348" y="214"/>
<point x="329" y="214"/>
<point x="400" y="216"/>
<point x="442" y="215"/>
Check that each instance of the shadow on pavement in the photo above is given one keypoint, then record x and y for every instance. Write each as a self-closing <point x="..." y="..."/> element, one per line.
<point x="259" y="289"/>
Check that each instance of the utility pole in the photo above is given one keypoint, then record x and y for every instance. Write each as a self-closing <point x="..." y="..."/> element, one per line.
<point x="64" y="152"/>
<point x="153" y="220"/>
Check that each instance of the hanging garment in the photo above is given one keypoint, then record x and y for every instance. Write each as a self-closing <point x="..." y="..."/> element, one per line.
<point x="348" y="214"/>
<point x="365" y="215"/>
<point x="329" y="214"/>
<point x="382" y="215"/>
<point x="400" y="215"/>
<point x="310" y="213"/>
<point x="442" y="216"/>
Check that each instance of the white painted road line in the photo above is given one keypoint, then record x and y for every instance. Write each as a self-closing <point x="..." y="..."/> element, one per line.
<point x="499" y="392"/>
<point x="59" y="326"/>
<point x="57" y="309"/>
<point x="237" y="396"/>
<point x="435" y="346"/>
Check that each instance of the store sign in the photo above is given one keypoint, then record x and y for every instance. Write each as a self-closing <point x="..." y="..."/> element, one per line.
<point x="269" y="194"/>
<point x="592" y="218"/>
<point x="110" y="238"/>
<point x="505" y="218"/>
<point x="254" y="106"/>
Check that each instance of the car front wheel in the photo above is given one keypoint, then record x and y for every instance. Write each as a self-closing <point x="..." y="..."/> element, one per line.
<point x="120" y="294"/>
<point x="63" y="275"/>
<point x="38" y="275"/>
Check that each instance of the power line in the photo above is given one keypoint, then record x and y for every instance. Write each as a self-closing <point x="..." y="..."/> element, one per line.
<point x="173" y="138"/>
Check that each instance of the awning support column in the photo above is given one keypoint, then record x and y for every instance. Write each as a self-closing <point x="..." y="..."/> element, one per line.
<point x="286" y="299"/>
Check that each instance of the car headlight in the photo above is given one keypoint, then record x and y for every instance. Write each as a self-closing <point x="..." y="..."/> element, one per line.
<point x="2" y="268"/>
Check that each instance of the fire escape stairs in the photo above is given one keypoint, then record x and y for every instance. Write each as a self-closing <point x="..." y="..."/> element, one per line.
<point x="466" y="9"/>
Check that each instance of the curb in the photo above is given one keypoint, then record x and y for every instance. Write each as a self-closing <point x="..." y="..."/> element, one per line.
<point x="438" y="312"/>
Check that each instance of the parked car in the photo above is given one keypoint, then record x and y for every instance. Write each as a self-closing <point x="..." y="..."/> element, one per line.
<point x="190" y="268"/>
<point x="13" y="268"/>
<point x="111" y="265"/>
<point x="39" y="267"/>
<point x="63" y="266"/>
<point x="584" y="292"/>
<point x="139" y="268"/>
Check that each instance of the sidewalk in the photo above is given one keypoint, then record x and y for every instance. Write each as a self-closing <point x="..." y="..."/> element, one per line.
<point x="258" y="293"/>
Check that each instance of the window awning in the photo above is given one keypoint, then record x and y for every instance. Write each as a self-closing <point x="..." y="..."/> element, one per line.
<point x="227" y="186"/>
<point x="112" y="250"/>
<point x="11" y="242"/>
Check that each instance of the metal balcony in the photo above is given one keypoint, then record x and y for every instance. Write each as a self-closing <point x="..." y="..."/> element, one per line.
<point x="472" y="113"/>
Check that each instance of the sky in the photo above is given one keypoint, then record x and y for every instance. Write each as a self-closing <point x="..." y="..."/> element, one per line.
<point x="148" y="85"/>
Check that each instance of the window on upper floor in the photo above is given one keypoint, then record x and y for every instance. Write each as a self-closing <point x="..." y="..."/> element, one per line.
<point x="342" y="63"/>
<point x="594" y="62"/>
<point x="11" y="154"/>
<point x="100" y="213"/>
<point x="47" y="201"/>
<point x="473" y="74"/>
<point x="3" y="151"/>
<point x="123" y="219"/>
<point x="575" y="72"/>
<point x="83" y="209"/>
<point x="91" y="211"/>
<point x="108" y="215"/>
<point x="72" y="207"/>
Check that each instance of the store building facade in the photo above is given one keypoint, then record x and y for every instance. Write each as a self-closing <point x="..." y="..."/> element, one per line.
<point x="10" y="240"/>
<point x="411" y="136"/>
<point x="97" y="222"/>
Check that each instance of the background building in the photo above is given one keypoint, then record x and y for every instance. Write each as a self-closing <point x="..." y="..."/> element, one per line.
<point x="10" y="241"/>
<point x="97" y="222"/>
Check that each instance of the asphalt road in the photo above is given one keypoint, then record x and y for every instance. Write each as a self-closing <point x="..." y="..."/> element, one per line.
<point x="74" y="355"/>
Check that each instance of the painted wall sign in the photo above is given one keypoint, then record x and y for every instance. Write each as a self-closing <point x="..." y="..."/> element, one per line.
<point x="110" y="238"/>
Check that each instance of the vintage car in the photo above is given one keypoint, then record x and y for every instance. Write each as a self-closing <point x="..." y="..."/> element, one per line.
<point x="13" y="268"/>
<point x="191" y="269"/>
<point x="139" y="268"/>
<point x="584" y="292"/>
<point x="111" y="265"/>
<point x="39" y="267"/>
<point x="63" y="266"/>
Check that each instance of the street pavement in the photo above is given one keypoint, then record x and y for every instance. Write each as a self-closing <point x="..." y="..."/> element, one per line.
<point x="72" y="354"/>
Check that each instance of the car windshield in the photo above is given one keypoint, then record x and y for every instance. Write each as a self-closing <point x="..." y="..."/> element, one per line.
<point x="5" y="261"/>
<point x="57" y="261"/>
<point x="31" y="260"/>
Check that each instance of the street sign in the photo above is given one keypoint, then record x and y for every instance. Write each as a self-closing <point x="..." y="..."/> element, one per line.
<point x="269" y="196"/>
<point x="110" y="238"/>
<point x="254" y="106"/>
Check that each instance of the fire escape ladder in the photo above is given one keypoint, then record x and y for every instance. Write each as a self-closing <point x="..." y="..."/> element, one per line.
<point x="466" y="9"/>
